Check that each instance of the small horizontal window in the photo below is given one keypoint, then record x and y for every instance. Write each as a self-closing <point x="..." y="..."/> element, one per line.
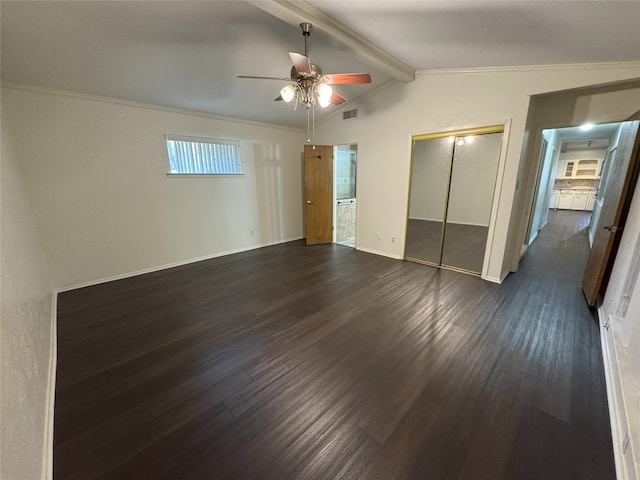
<point x="203" y="156"/>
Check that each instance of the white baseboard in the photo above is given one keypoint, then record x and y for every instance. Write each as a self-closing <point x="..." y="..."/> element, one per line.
<point x="172" y="265"/>
<point x="492" y="279"/>
<point x="47" y="461"/>
<point x="625" y="465"/>
<point x="377" y="252"/>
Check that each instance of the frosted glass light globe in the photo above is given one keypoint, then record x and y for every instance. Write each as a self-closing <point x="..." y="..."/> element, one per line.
<point x="288" y="92"/>
<point x="324" y="91"/>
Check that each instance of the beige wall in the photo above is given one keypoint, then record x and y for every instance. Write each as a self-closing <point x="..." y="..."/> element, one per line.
<point x="95" y="171"/>
<point x="26" y="330"/>
<point x="441" y="101"/>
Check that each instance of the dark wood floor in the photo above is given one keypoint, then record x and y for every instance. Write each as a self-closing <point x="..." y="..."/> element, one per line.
<point x="464" y="245"/>
<point x="323" y="362"/>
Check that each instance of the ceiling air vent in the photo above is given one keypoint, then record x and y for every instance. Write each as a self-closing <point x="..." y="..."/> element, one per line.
<point x="353" y="113"/>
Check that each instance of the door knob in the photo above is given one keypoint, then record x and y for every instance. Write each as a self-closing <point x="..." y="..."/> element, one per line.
<point x="612" y="228"/>
<point x="308" y="202"/>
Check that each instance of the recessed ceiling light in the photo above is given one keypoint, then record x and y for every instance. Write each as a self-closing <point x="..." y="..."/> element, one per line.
<point x="586" y="126"/>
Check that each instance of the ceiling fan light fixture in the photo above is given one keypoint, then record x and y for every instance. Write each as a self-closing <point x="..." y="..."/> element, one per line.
<point x="310" y="87"/>
<point x="324" y="102"/>
<point x="288" y="92"/>
<point x="324" y="91"/>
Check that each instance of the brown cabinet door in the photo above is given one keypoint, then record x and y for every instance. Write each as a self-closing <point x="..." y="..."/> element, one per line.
<point x="318" y="193"/>
<point x="609" y="228"/>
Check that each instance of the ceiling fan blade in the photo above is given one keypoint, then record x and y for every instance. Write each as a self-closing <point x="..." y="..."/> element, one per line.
<point x="278" y="99"/>
<point x="301" y="62"/>
<point x="337" y="99"/>
<point x="265" y="78"/>
<point x="344" y="78"/>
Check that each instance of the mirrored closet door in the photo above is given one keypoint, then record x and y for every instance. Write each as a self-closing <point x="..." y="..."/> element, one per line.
<point x="453" y="177"/>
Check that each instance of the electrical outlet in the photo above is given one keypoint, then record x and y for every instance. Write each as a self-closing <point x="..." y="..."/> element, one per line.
<point x="393" y="239"/>
<point x="252" y="232"/>
<point x="379" y="236"/>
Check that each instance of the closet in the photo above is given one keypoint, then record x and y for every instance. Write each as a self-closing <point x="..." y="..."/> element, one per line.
<point x="453" y="178"/>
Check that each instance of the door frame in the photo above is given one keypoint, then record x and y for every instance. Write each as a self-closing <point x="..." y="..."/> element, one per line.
<point x="335" y="202"/>
<point x="544" y="149"/>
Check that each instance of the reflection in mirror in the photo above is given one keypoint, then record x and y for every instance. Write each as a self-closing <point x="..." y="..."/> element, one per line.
<point x="473" y="179"/>
<point x="431" y="165"/>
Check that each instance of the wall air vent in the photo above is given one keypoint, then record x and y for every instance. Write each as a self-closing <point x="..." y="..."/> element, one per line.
<point x="349" y="114"/>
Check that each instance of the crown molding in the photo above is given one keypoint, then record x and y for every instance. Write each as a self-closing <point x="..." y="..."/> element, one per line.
<point x="530" y="68"/>
<point x="147" y="106"/>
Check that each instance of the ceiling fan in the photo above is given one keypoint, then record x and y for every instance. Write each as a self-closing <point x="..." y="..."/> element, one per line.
<point x="310" y="85"/>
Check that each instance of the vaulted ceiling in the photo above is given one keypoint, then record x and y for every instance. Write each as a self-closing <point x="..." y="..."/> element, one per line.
<point x="187" y="54"/>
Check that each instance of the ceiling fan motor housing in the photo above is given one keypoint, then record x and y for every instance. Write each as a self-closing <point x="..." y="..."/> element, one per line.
<point x="316" y="73"/>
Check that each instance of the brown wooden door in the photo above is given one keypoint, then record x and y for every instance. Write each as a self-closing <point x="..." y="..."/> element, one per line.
<point x="318" y="193"/>
<point x="612" y="215"/>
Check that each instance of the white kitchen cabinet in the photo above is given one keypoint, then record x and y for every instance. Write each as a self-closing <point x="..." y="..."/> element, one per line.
<point x="575" y="199"/>
<point x="553" y="199"/>
<point x="580" y="198"/>
<point x="565" y="200"/>
<point x="580" y="169"/>
<point x="588" y="169"/>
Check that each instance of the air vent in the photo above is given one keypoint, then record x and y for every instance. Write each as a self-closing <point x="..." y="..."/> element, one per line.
<point x="353" y="113"/>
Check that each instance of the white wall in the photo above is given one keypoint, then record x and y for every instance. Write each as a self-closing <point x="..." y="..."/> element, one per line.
<point x="440" y="101"/>
<point x="26" y="330"/>
<point x="95" y="171"/>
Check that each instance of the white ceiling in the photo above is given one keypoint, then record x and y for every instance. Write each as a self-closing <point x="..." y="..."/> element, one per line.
<point x="186" y="54"/>
<point x="598" y="137"/>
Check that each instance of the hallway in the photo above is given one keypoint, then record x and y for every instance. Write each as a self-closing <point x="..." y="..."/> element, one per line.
<point x="326" y="362"/>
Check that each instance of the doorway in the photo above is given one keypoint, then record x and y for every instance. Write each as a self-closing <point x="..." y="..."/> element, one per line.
<point x="344" y="192"/>
<point x="592" y="174"/>
<point x="330" y="194"/>
<point x="573" y="175"/>
<point x="572" y="171"/>
<point x="453" y="181"/>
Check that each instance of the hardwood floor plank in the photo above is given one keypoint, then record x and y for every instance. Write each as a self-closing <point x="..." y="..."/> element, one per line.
<point x="326" y="362"/>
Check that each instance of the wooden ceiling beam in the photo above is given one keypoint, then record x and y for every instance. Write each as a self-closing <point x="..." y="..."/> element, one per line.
<point x="295" y="12"/>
